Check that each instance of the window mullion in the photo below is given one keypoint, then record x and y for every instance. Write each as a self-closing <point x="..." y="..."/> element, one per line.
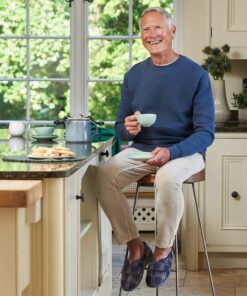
<point x="78" y="59"/>
<point x="28" y="60"/>
<point x="130" y="33"/>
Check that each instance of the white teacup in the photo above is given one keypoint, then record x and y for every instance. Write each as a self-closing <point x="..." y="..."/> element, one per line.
<point x="16" y="128"/>
<point x="146" y="120"/>
<point x="16" y="143"/>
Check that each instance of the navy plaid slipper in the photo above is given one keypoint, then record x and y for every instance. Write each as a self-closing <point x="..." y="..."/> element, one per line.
<point x="132" y="273"/>
<point x="159" y="271"/>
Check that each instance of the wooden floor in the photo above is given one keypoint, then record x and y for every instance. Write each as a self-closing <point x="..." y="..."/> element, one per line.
<point x="227" y="282"/>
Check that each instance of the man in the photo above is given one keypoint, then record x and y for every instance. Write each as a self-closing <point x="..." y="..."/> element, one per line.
<point x="179" y="92"/>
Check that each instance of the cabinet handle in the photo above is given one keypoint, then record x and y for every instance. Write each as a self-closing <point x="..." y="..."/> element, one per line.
<point x="81" y="197"/>
<point x="235" y="194"/>
<point x="106" y="153"/>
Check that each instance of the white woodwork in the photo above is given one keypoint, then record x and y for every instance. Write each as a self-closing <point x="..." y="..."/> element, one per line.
<point x="33" y="212"/>
<point x="226" y="172"/>
<point x="8" y="252"/>
<point x="229" y="25"/>
<point x="53" y="237"/>
<point x="14" y="252"/>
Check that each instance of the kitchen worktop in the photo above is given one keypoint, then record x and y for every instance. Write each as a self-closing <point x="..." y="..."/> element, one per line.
<point x="36" y="170"/>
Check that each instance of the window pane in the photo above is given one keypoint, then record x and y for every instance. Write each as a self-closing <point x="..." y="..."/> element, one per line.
<point x="139" y="51"/>
<point x="12" y="17"/>
<point x="49" y="100"/>
<point x="140" y="5"/>
<point x="12" y="100"/>
<point x="49" y="17"/>
<point x="49" y="58"/>
<point x="104" y="99"/>
<point x="12" y="58"/>
<point x="108" y="18"/>
<point x="108" y="58"/>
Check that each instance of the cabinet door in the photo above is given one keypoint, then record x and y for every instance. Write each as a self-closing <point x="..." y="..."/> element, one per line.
<point x="229" y="25"/>
<point x="71" y="229"/>
<point x="226" y="195"/>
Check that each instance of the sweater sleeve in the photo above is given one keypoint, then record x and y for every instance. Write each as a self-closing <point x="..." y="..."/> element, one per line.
<point x="124" y="111"/>
<point x="203" y="121"/>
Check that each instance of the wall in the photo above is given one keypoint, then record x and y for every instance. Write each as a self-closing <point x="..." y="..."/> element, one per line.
<point x="196" y="35"/>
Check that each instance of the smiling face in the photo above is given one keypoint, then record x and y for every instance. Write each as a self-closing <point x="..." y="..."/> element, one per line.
<point x="157" y="36"/>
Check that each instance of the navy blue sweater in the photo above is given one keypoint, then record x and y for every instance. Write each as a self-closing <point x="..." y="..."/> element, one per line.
<point x="180" y="94"/>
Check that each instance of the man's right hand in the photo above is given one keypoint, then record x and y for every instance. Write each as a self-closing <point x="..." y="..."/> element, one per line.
<point x="132" y="125"/>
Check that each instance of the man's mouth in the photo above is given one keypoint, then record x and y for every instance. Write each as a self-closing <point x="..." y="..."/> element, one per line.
<point x="154" y="42"/>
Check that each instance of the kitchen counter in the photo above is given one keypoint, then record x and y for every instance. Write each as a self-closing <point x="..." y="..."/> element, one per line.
<point x="35" y="170"/>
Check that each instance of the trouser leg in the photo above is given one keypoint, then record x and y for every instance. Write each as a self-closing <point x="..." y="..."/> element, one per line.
<point x="111" y="177"/>
<point x="169" y="200"/>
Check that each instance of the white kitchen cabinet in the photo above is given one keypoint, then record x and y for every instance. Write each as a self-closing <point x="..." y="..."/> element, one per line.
<point x="222" y="201"/>
<point x="226" y="194"/>
<point x="229" y="25"/>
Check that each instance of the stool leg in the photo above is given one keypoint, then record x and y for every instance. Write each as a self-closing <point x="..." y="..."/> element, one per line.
<point x="133" y="212"/>
<point x="176" y="262"/>
<point x="204" y="241"/>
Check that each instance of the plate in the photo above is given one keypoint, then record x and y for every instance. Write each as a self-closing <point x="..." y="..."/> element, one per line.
<point x="142" y="156"/>
<point x="45" y="157"/>
<point x="44" y="138"/>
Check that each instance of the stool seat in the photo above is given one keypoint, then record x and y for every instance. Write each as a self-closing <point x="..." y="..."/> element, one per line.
<point x="148" y="180"/>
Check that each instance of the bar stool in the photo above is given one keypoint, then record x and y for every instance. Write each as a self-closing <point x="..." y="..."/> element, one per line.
<point x="148" y="181"/>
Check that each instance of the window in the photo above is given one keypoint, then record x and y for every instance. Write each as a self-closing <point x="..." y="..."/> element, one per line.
<point x="56" y="61"/>
<point x="34" y="60"/>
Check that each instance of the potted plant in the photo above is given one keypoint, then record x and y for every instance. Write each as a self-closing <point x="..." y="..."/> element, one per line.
<point x="240" y="101"/>
<point x="217" y="63"/>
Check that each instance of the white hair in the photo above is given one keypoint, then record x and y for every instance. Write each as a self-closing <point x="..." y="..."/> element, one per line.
<point x="162" y="11"/>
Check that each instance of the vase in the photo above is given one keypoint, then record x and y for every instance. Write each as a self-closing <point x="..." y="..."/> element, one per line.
<point x="222" y="111"/>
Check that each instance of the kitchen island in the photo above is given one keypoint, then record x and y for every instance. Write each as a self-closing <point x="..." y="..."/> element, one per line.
<point x="61" y="245"/>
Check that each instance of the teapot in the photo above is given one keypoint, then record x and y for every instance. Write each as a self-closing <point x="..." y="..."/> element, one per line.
<point x="78" y="129"/>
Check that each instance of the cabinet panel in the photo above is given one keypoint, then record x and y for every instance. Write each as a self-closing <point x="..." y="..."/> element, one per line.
<point x="229" y="25"/>
<point x="225" y="216"/>
<point x="71" y="235"/>
<point x="234" y="201"/>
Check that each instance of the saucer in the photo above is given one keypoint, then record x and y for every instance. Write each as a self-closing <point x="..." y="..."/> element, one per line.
<point x="141" y="156"/>
<point x="44" y="138"/>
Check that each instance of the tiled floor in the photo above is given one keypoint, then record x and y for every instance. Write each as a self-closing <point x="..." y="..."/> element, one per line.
<point x="227" y="282"/>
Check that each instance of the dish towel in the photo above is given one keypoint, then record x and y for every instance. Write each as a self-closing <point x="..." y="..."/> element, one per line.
<point x="104" y="134"/>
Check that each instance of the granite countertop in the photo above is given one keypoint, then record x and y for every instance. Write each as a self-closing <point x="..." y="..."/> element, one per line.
<point x="16" y="146"/>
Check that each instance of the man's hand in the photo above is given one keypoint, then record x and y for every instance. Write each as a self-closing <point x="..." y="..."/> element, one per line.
<point x="132" y="125"/>
<point x="161" y="156"/>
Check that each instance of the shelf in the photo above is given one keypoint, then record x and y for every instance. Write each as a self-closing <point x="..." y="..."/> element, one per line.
<point x="85" y="226"/>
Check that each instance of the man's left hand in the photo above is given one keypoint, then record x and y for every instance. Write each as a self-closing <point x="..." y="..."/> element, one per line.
<point x="161" y="156"/>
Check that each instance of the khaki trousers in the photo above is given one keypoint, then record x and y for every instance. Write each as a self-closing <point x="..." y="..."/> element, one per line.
<point x="120" y="171"/>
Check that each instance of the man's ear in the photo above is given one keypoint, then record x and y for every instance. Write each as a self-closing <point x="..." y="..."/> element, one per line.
<point x="173" y="30"/>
